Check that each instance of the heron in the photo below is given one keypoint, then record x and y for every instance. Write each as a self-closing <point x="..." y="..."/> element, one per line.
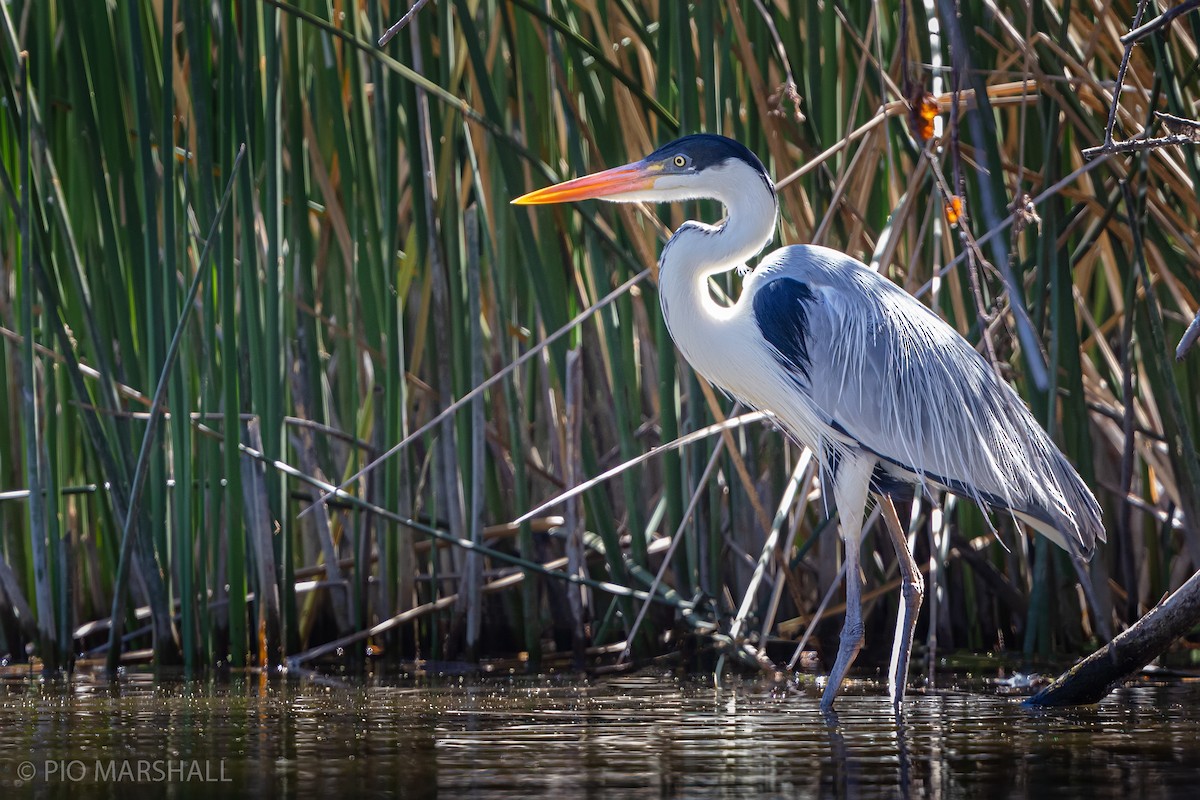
<point x="890" y="398"/>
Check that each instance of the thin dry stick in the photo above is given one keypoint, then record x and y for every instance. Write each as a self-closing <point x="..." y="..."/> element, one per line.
<point x="399" y="26"/>
<point x="1004" y="93"/>
<point x="466" y="544"/>
<point x="739" y="463"/>
<point x="694" y="436"/>
<point x="1183" y="131"/>
<point x="577" y="597"/>
<point x="760" y="568"/>
<point x="1144" y="142"/>
<point x="466" y="398"/>
<point x="819" y="613"/>
<point x="410" y="615"/>
<point x="505" y="582"/>
<point x="1108" y="145"/>
<point x="1166" y="18"/>
<point x="678" y="537"/>
<point x="90" y="372"/>
<point x="1003" y="226"/>
<point x="777" y="596"/>
<point x="975" y="257"/>
<point x="1026" y="335"/>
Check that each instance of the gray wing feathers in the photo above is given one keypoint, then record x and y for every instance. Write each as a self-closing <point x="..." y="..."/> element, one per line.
<point x="903" y="384"/>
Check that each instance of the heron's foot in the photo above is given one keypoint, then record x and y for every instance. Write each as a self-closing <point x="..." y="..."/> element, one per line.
<point x="848" y="647"/>
<point x="912" y="591"/>
<point x="831" y="718"/>
<point x="911" y="594"/>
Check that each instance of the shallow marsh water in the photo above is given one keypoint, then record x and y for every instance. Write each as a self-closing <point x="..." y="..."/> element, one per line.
<point x="630" y="737"/>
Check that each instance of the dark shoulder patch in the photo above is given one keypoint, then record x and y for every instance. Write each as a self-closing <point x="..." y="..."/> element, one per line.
<point x="781" y="310"/>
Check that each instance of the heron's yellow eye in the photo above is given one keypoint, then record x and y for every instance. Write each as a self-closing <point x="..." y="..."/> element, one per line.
<point x="680" y="162"/>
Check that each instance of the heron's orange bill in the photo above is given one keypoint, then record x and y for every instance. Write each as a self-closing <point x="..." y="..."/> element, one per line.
<point x="629" y="178"/>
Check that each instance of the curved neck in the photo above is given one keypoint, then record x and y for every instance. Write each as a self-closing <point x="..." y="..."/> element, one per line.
<point x="697" y="323"/>
<point x="698" y="251"/>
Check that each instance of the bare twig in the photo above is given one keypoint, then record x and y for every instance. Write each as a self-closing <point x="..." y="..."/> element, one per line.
<point x="694" y="436"/>
<point x="1179" y="126"/>
<point x="975" y="258"/>
<point x="399" y="26"/>
<point x="788" y="91"/>
<point x="1002" y="94"/>
<point x="799" y="476"/>
<point x="1141" y="144"/>
<point x="675" y="540"/>
<point x="1009" y="220"/>
<point x="354" y="501"/>
<point x="1161" y="21"/>
<point x="1127" y="420"/>
<point x="1035" y="359"/>
<point x="466" y="398"/>
<point x="1116" y="92"/>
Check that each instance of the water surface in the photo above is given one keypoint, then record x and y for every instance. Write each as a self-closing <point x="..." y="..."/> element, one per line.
<point x="630" y="737"/>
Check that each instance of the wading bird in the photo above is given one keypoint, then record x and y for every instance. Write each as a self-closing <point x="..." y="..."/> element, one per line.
<point x="887" y="395"/>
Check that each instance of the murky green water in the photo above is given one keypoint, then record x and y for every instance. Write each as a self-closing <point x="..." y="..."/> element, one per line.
<point x="641" y="736"/>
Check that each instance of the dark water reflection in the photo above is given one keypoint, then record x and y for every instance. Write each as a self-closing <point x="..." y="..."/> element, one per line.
<point x="633" y="737"/>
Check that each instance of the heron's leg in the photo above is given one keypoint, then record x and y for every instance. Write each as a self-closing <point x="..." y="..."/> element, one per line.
<point x="850" y="494"/>
<point x="912" y="590"/>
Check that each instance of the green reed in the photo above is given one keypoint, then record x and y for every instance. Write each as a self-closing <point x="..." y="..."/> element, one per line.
<point x="367" y="270"/>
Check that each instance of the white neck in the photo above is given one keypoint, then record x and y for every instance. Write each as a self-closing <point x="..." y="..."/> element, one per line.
<point x="698" y="251"/>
